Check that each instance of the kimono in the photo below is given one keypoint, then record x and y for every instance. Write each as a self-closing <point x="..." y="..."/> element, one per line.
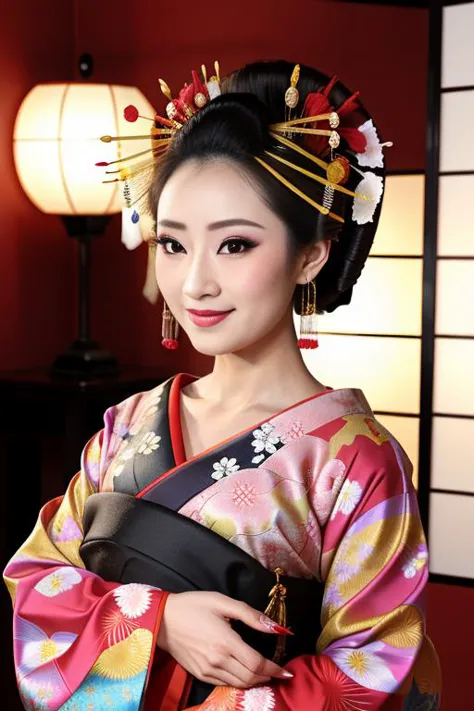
<point x="321" y="490"/>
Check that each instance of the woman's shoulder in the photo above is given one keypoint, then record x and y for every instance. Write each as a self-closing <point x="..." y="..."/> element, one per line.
<point x="132" y="407"/>
<point x="369" y="449"/>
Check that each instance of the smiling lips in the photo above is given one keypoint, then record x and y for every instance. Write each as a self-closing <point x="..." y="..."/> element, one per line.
<point x="207" y="317"/>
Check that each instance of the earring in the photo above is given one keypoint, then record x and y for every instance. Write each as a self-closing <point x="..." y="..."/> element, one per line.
<point x="308" y="319"/>
<point x="169" y="329"/>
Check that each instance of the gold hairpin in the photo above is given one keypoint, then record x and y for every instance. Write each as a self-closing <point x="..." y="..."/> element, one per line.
<point x="323" y="210"/>
<point x="292" y="95"/>
<point x="332" y="117"/>
<point x="289" y="127"/>
<point x="315" y="177"/>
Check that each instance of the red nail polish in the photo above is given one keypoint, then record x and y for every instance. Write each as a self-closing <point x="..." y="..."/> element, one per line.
<point x="277" y="629"/>
<point x="281" y="630"/>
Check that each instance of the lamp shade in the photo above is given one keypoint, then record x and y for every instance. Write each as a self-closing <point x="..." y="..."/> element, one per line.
<point x="56" y="144"/>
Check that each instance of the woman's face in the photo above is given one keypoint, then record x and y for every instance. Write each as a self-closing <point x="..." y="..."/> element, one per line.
<point x="222" y="249"/>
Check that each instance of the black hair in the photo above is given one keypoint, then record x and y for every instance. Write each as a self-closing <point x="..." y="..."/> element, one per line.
<point x="234" y="126"/>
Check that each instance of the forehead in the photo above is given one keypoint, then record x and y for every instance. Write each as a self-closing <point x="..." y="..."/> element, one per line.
<point x="215" y="190"/>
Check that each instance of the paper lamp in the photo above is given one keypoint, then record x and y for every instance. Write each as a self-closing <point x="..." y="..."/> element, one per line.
<point x="56" y="147"/>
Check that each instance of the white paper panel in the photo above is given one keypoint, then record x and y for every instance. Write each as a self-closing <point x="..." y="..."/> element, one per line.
<point x="452" y="454"/>
<point x="452" y="554"/>
<point x="454" y="376"/>
<point x="455" y="223"/>
<point x="386" y="299"/>
<point x="406" y="430"/>
<point x="457" y="51"/>
<point x="455" y="298"/>
<point x="456" y="144"/>
<point x="386" y="369"/>
<point x="400" y="230"/>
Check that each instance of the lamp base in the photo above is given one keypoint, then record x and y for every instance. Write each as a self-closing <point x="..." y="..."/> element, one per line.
<point x="85" y="360"/>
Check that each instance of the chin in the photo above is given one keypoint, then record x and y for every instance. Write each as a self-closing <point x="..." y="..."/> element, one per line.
<point x="220" y="345"/>
<point x="211" y="349"/>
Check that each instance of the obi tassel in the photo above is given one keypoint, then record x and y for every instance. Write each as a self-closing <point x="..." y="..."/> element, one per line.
<point x="276" y="611"/>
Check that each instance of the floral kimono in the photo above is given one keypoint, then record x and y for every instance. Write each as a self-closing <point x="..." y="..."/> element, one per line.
<point x="321" y="490"/>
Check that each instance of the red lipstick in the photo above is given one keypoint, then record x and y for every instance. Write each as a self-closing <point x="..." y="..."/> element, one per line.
<point x="207" y="317"/>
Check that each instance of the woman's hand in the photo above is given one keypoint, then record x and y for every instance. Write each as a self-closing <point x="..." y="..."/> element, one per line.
<point x="195" y="631"/>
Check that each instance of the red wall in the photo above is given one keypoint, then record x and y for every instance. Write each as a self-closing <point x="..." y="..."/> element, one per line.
<point x="451" y="627"/>
<point x="36" y="260"/>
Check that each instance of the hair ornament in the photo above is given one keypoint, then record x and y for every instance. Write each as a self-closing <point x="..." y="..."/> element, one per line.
<point x="315" y="135"/>
<point x="321" y="141"/>
<point x="372" y="156"/>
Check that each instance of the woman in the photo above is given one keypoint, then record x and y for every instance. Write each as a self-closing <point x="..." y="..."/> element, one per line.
<point x="146" y="585"/>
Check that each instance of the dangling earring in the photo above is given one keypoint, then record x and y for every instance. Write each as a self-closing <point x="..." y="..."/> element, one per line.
<point x="169" y="329"/>
<point x="308" y="319"/>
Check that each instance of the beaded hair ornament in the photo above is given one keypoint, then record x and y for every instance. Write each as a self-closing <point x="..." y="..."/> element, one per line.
<point x="318" y="130"/>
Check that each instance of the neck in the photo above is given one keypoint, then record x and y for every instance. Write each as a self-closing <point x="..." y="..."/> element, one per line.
<point x="271" y="372"/>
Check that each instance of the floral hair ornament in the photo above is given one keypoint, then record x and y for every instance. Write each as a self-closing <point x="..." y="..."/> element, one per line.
<point x="135" y="171"/>
<point x="319" y="145"/>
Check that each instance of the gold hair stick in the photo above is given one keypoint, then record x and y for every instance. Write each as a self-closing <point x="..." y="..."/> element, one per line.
<point x="333" y="118"/>
<point x="290" y="129"/>
<point x="109" y="139"/>
<point x="318" y="178"/>
<point x="301" y="151"/>
<point x="297" y="191"/>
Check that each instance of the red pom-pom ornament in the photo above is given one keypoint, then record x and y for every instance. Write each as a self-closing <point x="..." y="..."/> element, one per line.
<point x="130" y="113"/>
<point x="307" y="343"/>
<point x="170" y="343"/>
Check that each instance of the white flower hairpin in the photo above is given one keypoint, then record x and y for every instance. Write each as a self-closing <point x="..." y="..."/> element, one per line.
<point x="372" y="156"/>
<point x="371" y="186"/>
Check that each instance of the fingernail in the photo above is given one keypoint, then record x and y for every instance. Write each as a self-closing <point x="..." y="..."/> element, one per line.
<point x="287" y="674"/>
<point x="277" y="629"/>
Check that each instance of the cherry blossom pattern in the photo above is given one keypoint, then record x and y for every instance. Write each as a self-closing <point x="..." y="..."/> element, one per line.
<point x="59" y="581"/>
<point x="149" y="441"/>
<point x="415" y="561"/>
<point x="365" y="666"/>
<point x="33" y="647"/>
<point x="348" y="498"/>
<point x="133" y="599"/>
<point x="118" y="465"/>
<point x="264" y="441"/>
<point x="150" y="409"/>
<point x="224" y="468"/>
<point x="144" y="443"/>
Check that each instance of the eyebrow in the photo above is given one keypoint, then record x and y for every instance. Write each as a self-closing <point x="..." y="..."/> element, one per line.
<point x="235" y="222"/>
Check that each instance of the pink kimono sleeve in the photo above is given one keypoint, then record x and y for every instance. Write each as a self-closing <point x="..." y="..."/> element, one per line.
<point x="79" y="642"/>
<point x="373" y="652"/>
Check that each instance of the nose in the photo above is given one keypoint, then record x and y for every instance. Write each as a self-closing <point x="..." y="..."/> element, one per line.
<point x="200" y="279"/>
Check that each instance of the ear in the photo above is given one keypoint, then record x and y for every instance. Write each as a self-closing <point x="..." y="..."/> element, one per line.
<point x="313" y="260"/>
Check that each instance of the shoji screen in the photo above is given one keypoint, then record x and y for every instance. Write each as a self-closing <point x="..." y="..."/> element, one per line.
<point x="375" y="342"/>
<point x="452" y="452"/>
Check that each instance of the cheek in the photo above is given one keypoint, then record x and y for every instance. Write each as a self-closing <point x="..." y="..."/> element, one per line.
<point x="165" y="275"/>
<point x="262" y="274"/>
